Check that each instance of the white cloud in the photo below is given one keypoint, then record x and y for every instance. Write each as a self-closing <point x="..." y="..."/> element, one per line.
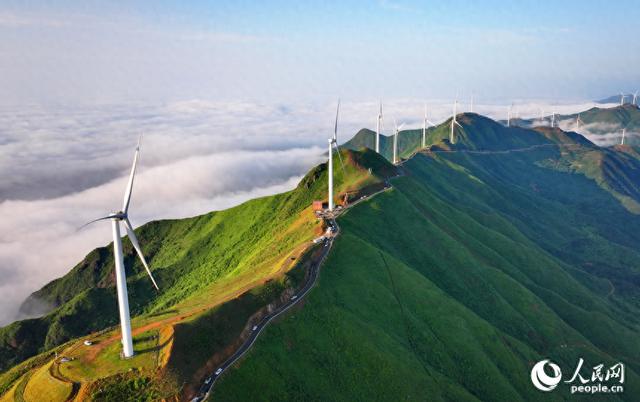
<point x="64" y="166"/>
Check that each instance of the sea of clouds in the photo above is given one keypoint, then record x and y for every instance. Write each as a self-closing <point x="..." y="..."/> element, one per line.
<point x="65" y="165"/>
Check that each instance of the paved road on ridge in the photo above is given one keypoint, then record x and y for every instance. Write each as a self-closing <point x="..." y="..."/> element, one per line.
<point x="205" y="389"/>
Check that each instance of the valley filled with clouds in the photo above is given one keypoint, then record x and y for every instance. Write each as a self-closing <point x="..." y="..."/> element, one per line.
<point x="63" y="166"/>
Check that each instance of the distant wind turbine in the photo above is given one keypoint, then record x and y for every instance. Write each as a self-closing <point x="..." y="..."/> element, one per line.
<point x="509" y="113"/>
<point x="635" y="97"/>
<point x="623" y="132"/>
<point x="116" y="218"/>
<point x="622" y="96"/>
<point x="471" y="108"/>
<point x="578" y="121"/>
<point x="553" y="119"/>
<point x="395" y="141"/>
<point x="542" y="119"/>
<point x="454" y="122"/>
<point x="333" y="143"/>
<point x="379" y="126"/>
<point x="424" y="127"/>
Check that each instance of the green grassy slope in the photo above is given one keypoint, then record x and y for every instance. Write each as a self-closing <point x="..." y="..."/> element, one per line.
<point x="187" y="256"/>
<point x="451" y="286"/>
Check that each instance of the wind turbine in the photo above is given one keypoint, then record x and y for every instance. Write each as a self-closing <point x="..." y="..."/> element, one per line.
<point x="623" y="132"/>
<point x="622" y="96"/>
<point x="542" y="115"/>
<point x="578" y="121"/>
<point x="635" y="97"/>
<point x="509" y="115"/>
<point x="471" y="108"/>
<point x="395" y="141"/>
<point x="333" y="142"/>
<point x="454" y="122"/>
<point x="121" y="279"/>
<point x="553" y="119"/>
<point x="379" y="125"/>
<point x="424" y="127"/>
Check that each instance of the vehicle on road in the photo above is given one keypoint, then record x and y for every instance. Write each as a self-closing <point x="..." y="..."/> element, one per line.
<point x="207" y="381"/>
<point x="254" y="328"/>
<point x="88" y="343"/>
<point x="218" y="371"/>
<point x="64" y="360"/>
<point x="294" y="297"/>
<point x="318" y="240"/>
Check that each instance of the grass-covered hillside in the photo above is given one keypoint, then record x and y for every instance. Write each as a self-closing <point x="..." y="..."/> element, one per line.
<point x="214" y="271"/>
<point x="453" y="284"/>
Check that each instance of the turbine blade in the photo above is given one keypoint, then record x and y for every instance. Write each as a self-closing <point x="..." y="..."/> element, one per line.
<point x="127" y="193"/>
<point x="458" y="124"/>
<point x="430" y="122"/>
<point x="339" y="157"/>
<point x="335" y="128"/>
<point x="95" y="220"/>
<point x="136" y="245"/>
<point x="400" y="127"/>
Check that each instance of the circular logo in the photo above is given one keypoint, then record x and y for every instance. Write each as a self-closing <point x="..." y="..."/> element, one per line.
<point x="541" y="380"/>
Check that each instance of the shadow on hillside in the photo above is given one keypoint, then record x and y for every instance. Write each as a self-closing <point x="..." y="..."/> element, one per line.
<point x="155" y="348"/>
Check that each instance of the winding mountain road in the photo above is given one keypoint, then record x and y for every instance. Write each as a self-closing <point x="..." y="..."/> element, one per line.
<point x="330" y="218"/>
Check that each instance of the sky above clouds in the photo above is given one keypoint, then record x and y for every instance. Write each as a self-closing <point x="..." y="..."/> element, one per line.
<point x="99" y="51"/>
<point x="236" y="99"/>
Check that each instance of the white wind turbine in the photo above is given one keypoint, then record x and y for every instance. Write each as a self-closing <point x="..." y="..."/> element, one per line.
<point x="116" y="218"/>
<point x="509" y="112"/>
<point x="424" y="127"/>
<point x="333" y="143"/>
<point x="635" y="97"/>
<point x="553" y="119"/>
<point x="454" y="122"/>
<point x="395" y="141"/>
<point x="622" y="96"/>
<point x="623" y="132"/>
<point x="379" y="126"/>
<point x="578" y="121"/>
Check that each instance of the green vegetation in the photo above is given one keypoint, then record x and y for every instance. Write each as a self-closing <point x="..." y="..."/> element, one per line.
<point x="452" y="285"/>
<point x="241" y="256"/>
<point x="517" y="246"/>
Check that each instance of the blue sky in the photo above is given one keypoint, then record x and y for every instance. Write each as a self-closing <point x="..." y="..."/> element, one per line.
<point x="99" y="51"/>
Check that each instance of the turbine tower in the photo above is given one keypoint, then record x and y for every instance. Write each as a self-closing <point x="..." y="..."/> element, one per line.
<point x="395" y="141"/>
<point x="623" y="132"/>
<point x="378" y="128"/>
<point x="116" y="218"/>
<point x="635" y="98"/>
<point x="553" y="119"/>
<point x="509" y="115"/>
<point x="622" y="96"/>
<point x="454" y="122"/>
<point x="333" y="143"/>
<point x="424" y="127"/>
